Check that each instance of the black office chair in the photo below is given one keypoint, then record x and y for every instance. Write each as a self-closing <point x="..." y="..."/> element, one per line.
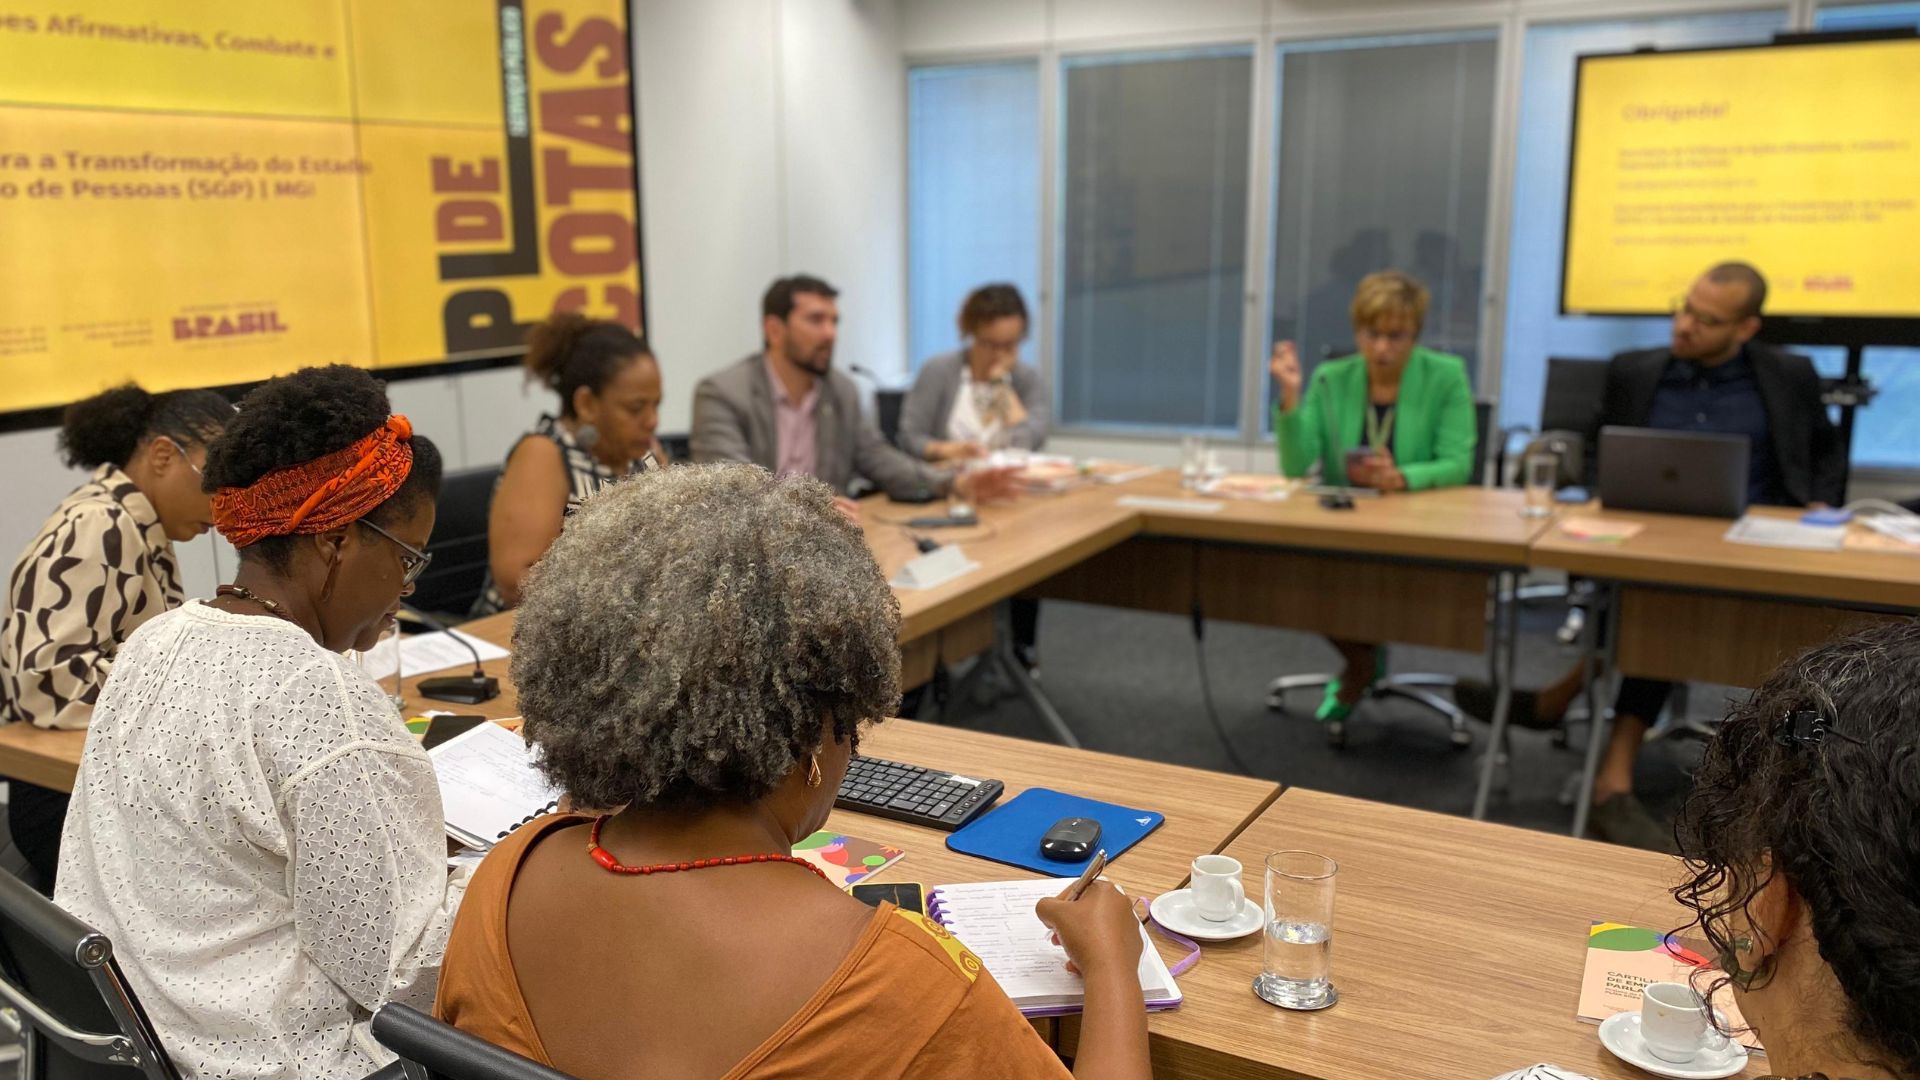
<point x="679" y="447"/>
<point x="431" y="1050"/>
<point x="1570" y="402"/>
<point x="1418" y="687"/>
<point x="458" y="572"/>
<point x="78" y="1018"/>
<point x="1570" y="410"/>
<point x="886" y="412"/>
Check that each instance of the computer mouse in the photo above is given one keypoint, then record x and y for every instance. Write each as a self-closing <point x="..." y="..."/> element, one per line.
<point x="1071" y="839"/>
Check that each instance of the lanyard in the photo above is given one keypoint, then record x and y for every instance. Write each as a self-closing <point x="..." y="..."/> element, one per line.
<point x="1379" y="428"/>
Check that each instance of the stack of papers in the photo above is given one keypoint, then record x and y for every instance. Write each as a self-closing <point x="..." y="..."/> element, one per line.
<point x="1264" y="487"/>
<point x="1054" y="472"/>
<point x="1900" y="528"/>
<point x="1787" y="533"/>
<point x="1600" y="530"/>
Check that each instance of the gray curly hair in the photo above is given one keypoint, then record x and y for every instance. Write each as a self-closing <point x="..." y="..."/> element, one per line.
<point x="695" y="632"/>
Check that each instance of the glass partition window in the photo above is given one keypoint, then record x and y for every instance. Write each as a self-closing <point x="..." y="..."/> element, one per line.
<point x="1153" y="179"/>
<point x="973" y="192"/>
<point x="1384" y="151"/>
<point x="1899" y="16"/>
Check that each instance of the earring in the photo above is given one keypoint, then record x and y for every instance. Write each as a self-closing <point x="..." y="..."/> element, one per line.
<point x="813" y="771"/>
<point x="333" y="568"/>
<point x="585" y="435"/>
<point x="1745" y="978"/>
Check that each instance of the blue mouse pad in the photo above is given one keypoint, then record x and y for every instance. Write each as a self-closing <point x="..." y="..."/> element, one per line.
<point x="1011" y="834"/>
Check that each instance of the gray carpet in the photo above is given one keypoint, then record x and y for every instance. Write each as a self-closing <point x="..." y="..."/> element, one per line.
<point x="1128" y="683"/>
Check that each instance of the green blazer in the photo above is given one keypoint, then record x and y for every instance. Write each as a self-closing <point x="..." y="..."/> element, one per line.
<point x="1433" y="428"/>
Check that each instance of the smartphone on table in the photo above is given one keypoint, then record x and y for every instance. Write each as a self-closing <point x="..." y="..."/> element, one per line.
<point x="905" y="895"/>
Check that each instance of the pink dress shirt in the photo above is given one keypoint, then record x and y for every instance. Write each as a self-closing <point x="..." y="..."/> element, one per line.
<point x="796" y="428"/>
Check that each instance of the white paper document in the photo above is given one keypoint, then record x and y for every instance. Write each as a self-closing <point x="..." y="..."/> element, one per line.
<point x="936" y="567"/>
<point x="422" y="653"/>
<point x="1150" y="502"/>
<point x="488" y="785"/>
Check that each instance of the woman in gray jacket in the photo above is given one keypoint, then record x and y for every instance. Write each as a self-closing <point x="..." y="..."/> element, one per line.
<point x="968" y="403"/>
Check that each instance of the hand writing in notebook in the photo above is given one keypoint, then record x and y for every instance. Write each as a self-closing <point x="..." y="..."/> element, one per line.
<point x="1098" y="931"/>
<point x="1103" y="942"/>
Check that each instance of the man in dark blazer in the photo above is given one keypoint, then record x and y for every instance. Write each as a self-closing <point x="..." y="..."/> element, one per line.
<point x="1714" y="377"/>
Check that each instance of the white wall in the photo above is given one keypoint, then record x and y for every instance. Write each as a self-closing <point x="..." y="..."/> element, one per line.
<point x="842" y="100"/>
<point x="771" y="141"/>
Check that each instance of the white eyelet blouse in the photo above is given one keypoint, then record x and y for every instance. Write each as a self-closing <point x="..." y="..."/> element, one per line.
<point x="260" y="837"/>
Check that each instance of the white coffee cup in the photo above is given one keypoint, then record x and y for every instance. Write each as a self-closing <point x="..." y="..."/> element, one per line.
<point x="1217" y="893"/>
<point x="1675" y="1023"/>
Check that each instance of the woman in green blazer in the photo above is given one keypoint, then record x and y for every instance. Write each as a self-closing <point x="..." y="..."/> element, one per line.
<point x="1394" y="416"/>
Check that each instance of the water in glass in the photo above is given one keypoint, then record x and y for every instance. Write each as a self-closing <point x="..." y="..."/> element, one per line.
<point x="1296" y="970"/>
<point x="1541" y="472"/>
<point x="1298" y="965"/>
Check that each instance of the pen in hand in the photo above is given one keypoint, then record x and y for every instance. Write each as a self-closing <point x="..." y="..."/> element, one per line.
<point x="1087" y="876"/>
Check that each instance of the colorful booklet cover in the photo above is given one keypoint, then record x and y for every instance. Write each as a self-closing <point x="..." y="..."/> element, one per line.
<point x="1623" y="959"/>
<point x="847" y="860"/>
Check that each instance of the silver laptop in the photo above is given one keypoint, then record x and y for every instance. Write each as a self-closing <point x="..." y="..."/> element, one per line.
<point x="1673" y="472"/>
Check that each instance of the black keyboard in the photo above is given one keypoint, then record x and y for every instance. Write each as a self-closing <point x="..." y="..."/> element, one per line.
<point x="910" y="793"/>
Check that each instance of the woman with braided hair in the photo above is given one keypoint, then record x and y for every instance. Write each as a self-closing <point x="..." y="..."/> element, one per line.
<point x="1801" y="841"/>
<point x="252" y="825"/>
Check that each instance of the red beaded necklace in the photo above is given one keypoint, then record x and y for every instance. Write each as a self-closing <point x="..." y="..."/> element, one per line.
<point x="615" y="866"/>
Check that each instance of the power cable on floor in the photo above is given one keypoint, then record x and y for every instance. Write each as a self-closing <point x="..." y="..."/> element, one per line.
<point x="1199" y="619"/>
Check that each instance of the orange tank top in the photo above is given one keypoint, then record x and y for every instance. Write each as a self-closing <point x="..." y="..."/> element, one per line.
<point x="908" y="1001"/>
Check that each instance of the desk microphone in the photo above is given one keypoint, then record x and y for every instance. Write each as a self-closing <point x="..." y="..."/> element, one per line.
<point x="465" y="689"/>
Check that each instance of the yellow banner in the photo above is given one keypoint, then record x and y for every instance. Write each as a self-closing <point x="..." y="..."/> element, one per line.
<point x="1802" y="160"/>
<point x="216" y="193"/>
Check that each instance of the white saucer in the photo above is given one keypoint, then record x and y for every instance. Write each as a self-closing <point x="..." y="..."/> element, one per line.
<point x="1174" y="910"/>
<point x="1620" y="1033"/>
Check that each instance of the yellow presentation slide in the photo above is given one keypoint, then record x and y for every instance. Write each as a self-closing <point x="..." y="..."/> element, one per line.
<point x="212" y="193"/>
<point x="1803" y="160"/>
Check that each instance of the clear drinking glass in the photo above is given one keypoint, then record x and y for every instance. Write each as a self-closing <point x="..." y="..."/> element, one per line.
<point x="1296" y="970"/>
<point x="1539" y="473"/>
<point x="1193" y="460"/>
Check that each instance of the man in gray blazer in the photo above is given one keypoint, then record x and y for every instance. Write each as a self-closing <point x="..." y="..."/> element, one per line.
<point x="788" y="411"/>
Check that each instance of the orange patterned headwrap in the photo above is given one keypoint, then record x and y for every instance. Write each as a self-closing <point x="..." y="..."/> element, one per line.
<point x="325" y="493"/>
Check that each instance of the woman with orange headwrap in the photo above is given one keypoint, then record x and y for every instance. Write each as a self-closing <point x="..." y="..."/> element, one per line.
<point x="252" y="826"/>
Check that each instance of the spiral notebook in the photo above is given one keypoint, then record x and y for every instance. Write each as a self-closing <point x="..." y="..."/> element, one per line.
<point x="996" y="920"/>
<point x="489" y="786"/>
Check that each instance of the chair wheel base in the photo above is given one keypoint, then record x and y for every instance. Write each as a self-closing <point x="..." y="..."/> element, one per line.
<point x="1461" y="739"/>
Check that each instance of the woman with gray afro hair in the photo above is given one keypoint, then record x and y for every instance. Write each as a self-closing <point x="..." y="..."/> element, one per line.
<point x="695" y="637"/>
<point x="697" y="654"/>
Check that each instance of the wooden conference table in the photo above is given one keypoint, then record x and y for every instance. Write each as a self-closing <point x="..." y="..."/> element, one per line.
<point x="1458" y="945"/>
<point x="1415" y="569"/>
<point x="1686" y="604"/>
<point x="1241" y="560"/>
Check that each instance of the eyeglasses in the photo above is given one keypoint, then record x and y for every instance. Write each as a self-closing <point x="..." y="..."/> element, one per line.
<point x="413" y="561"/>
<point x="184" y="456"/>
<point x="1700" y="318"/>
